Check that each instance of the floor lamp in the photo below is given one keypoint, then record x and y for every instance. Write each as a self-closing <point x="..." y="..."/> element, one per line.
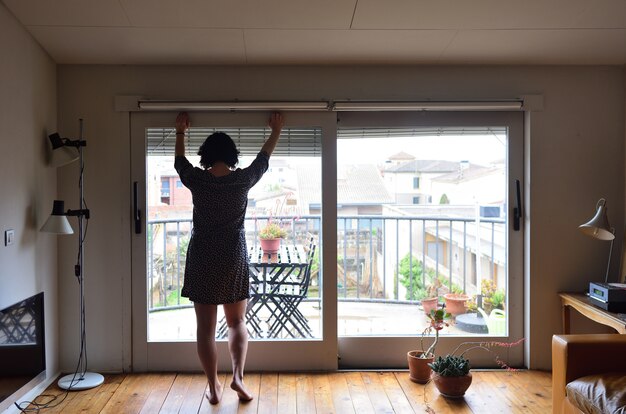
<point x="58" y="223"/>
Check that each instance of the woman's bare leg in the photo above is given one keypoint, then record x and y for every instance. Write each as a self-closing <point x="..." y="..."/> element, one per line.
<point x="206" y="318"/>
<point x="238" y="345"/>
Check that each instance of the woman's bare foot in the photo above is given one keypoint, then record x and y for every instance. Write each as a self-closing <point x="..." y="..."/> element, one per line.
<point x="214" y="393"/>
<point x="240" y="389"/>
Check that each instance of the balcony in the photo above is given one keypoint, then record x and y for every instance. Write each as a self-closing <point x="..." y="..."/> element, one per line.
<point x="385" y="264"/>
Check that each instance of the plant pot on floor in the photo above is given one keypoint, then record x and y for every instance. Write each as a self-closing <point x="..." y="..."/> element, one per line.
<point x="456" y="303"/>
<point x="429" y="304"/>
<point x="419" y="371"/>
<point x="452" y="387"/>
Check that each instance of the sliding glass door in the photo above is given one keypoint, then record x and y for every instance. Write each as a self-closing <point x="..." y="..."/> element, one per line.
<point x="383" y="210"/>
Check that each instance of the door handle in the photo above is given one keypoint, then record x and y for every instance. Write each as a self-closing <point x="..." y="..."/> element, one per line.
<point x="136" y="210"/>
<point x="517" y="211"/>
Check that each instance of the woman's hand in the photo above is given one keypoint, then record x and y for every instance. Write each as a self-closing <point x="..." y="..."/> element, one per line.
<point x="276" y="122"/>
<point x="182" y="122"/>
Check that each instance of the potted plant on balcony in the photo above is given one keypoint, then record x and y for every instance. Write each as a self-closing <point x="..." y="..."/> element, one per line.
<point x="419" y="370"/>
<point x="431" y="301"/>
<point x="270" y="237"/>
<point x="456" y="303"/>
<point x="492" y="297"/>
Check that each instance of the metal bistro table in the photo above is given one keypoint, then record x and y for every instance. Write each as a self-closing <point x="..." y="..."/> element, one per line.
<point x="279" y="282"/>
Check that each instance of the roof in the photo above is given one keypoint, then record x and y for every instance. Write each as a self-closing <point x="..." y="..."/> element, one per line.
<point x="401" y="156"/>
<point x="424" y="166"/>
<point x="357" y="185"/>
<point x="473" y="172"/>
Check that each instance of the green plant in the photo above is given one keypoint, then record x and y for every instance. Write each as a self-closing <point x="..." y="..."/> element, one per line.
<point x="417" y="279"/>
<point x="497" y="300"/>
<point x="493" y="298"/>
<point x="412" y="275"/>
<point x="272" y="231"/>
<point x="487" y="288"/>
<point x="451" y="366"/>
<point x="437" y="318"/>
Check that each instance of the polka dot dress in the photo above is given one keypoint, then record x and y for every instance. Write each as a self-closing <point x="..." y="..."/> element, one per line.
<point x="216" y="270"/>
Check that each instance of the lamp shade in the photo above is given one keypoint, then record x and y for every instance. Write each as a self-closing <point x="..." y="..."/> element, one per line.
<point x="598" y="227"/>
<point x="57" y="222"/>
<point x="61" y="155"/>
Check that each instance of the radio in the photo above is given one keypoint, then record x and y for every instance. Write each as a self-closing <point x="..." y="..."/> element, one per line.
<point x="608" y="296"/>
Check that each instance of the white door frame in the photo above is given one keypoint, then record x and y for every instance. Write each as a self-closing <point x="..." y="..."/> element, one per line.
<point x="355" y="352"/>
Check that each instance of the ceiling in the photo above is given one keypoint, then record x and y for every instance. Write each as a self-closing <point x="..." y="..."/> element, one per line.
<point x="262" y="32"/>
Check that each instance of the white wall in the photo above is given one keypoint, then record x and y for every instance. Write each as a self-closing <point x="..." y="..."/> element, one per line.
<point x="576" y="156"/>
<point x="27" y="184"/>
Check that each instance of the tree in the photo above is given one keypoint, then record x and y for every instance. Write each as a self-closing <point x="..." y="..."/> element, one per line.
<point x="412" y="275"/>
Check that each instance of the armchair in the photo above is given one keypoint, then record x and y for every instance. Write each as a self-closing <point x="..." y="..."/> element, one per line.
<point x="578" y="356"/>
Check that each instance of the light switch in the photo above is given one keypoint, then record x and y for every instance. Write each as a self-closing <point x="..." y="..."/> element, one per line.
<point x="9" y="237"/>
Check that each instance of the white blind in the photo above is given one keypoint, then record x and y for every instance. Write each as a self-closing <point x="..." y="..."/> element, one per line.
<point x="390" y="132"/>
<point x="293" y="141"/>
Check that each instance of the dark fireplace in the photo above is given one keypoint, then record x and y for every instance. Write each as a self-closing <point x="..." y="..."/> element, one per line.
<point x="22" y="350"/>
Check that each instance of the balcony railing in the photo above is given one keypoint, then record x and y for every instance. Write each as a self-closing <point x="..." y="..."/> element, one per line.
<point x="379" y="258"/>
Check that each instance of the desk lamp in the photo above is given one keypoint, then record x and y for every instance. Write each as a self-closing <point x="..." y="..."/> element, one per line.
<point x="598" y="228"/>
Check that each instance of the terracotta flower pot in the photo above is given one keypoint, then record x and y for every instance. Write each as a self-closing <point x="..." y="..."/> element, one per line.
<point x="429" y="304"/>
<point x="419" y="371"/>
<point x="270" y="245"/>
<point x="452" y="387"/>
<point x="456" y="303"/>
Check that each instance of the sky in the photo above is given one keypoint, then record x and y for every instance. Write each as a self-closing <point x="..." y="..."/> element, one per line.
<point x="476" y="149"/>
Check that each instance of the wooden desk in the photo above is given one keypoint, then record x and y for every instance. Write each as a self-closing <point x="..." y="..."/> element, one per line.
<point x="582" y="304"/>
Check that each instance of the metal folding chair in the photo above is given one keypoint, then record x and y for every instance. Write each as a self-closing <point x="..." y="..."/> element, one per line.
<point x="287" y="296"/>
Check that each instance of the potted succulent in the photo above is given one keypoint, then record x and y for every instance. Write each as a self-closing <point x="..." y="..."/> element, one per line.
<point x="419" y="370"/>
<point x="451" y="375"/>
<point x="270" y="236"/>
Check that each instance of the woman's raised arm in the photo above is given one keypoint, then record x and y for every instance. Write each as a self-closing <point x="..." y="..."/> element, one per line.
<point x="276" y="123"/>
<point x="182" y="123"/>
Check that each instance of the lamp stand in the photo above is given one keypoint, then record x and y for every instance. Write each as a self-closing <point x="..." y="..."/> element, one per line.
<point x="608" y="266"/>
<point x="81" y="379"/>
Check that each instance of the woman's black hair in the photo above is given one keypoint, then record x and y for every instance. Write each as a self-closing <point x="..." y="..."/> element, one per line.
<point x="218" y="146"/>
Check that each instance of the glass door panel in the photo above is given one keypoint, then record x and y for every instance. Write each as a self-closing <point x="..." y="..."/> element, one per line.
<point x="285" y="310"/>
<point x="423" y="204"/>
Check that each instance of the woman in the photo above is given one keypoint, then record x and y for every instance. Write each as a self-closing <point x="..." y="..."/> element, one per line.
<point x="216" y="271"/>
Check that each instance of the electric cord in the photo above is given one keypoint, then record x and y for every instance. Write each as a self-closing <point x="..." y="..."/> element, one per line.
<point x="80" y="367"/>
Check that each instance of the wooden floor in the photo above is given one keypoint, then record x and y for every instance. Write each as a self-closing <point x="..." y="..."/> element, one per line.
<point x="283" y="393"/>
